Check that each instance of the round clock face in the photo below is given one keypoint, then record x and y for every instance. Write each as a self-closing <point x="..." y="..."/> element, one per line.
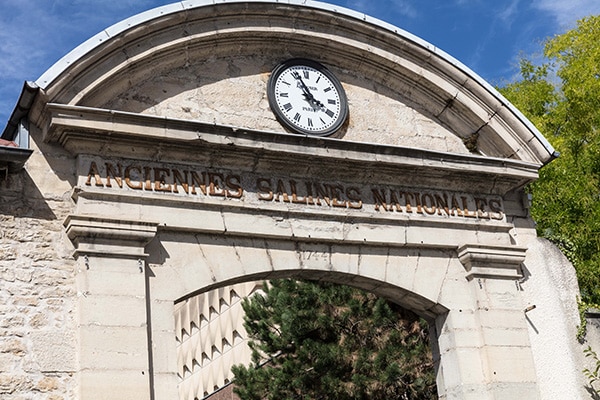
<point x="307" y="98"/>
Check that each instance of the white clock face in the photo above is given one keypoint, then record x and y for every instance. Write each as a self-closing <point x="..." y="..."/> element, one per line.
<point x="307" y="98"/>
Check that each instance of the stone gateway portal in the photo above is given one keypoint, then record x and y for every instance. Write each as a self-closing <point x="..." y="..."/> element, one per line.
<point x="206" y="144"/>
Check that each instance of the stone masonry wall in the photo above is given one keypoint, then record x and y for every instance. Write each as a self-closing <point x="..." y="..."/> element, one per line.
<point x="37" y="294"/>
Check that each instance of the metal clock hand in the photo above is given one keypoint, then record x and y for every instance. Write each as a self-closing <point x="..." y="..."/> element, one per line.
<point x="305" y="89"/>
<point x="309" y="96"/>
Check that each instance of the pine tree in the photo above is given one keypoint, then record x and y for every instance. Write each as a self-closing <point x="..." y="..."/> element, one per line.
<point x="315" y="340"/>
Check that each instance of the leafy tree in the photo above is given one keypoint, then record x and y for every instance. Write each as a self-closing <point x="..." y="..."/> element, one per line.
<point x="324" y="341"/>
<point x="562" y="98"/>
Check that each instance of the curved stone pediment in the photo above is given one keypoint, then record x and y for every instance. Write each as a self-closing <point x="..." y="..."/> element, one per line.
<point x="210" y="63"/>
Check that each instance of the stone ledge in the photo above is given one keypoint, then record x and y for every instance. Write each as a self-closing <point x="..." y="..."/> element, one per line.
<point x="281" y="210"/>
<point x="104" y="237"/>
<point x="13" y="158"/>
<point x="89" y="130"/>
<point x="593" y="313"/>
<point x="487" y="261"/>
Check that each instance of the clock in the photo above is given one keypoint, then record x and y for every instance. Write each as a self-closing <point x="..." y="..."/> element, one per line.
<point x="307" y="98"/>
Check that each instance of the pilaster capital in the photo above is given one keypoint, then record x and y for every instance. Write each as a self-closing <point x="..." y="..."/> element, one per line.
<point x="492" y="261"/>
<point x="105" y="237"/>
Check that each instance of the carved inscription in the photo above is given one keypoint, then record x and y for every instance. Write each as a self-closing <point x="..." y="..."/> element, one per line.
<point x="211" y="183"/>
<point x="310" y="193"/>
<point x="437" y="203"/>
<point x="140" y="177"/>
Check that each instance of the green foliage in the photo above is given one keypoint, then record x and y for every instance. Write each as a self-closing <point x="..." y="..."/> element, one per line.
<point x="562" y="98"/>
<point x="323" y="341"/>
<point x="593" y="374"/>
<point x="582" y="329"/>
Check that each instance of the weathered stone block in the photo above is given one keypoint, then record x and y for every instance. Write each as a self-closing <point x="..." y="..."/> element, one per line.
<point x="14" y="346"/>
<point x="99" y="310"/>
<point x="502" y="319"/>
<point x="47" y="384"/>
<point x="54" y="350"/>
<point x="402" y="267"/>
<point x="100" y="281"/>
<point x="100" y="384"/>
<point x="430" y="274"/>
<point x="463" y="367"/>
<point x="505" y="337"/>
<point x="164" y="352"/>
<point x="510" y="364"/>
<point x="460" y="338"/>
<point x="113" y="348"/>
<point x="457" y="292"/>
<point x="11" y="383"/>
<point x="344" y="259"/>
<point x="373" y="263"/>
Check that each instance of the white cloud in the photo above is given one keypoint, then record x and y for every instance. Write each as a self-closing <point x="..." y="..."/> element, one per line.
<point x="32" y="38"/>
<point x="25" y="40"/>
<point x="404" y="8"/>
<point x="508" y="13"/>
<point x="567" y="12"/>
<point x="34" y="34"/>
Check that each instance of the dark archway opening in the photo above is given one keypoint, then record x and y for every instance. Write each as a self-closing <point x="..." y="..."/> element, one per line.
<point x="301" y="339"/>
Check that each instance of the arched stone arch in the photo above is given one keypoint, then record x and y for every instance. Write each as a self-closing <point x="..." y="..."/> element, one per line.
<point x="196" y="330"/>
<point x="183" y="180"/>
<point x="409" y="276"/>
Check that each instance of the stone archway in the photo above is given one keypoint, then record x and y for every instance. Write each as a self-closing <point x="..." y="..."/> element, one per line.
<point x="458" y="266"/>
<point x="183" y="180"/>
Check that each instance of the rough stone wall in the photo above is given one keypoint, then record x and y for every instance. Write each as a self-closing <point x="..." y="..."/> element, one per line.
<point x="232" y="92"/>
<point x="37" y="293"/>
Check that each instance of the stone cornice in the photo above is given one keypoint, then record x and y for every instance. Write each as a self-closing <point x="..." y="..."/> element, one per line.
<point x="104" y="237"/>
<point x="83" y="130"/>
<point x="13" y="158"/>
<point x="492" y="261"/>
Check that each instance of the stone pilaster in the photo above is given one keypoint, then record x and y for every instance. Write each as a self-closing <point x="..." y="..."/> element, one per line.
<point x="113" y="331"/>
<point x="485" y="348"/>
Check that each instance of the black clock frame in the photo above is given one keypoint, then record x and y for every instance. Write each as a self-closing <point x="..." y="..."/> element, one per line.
<point x="344" y="109"/>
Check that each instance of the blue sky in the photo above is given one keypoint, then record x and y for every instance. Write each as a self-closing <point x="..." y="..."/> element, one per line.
<point x="487" y="36"/>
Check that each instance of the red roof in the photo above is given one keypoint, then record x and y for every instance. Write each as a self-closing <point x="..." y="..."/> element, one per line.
<point x="8" y="143"/>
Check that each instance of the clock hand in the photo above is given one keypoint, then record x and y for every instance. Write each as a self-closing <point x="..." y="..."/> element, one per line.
<point x="309" y="96"/>
<point x="305" y="89"/>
